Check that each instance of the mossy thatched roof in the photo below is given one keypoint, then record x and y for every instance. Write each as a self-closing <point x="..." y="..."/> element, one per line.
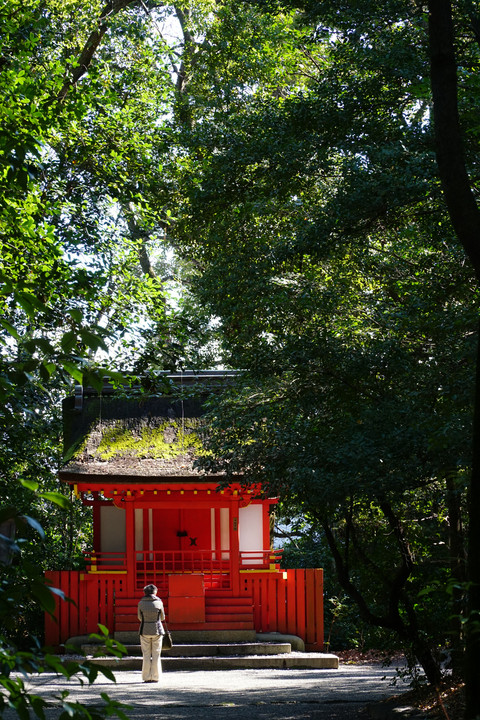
<point x="115" y="434"/>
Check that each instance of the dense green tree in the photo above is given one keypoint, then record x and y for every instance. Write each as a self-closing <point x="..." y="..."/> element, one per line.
<point x="88" y="190"/>
<point x="70" y="275"/>
<point x="87" y="194"/>
<point x="456" y="159"/>
<point x="367" y="426"/>
<point x="24" y="598"/>
<point x="74" y="276"/>
<point x="326" y="251"/>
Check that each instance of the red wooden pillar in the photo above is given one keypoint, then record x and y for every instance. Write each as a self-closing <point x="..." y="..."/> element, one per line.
<point x="234" y="547"/>
<point x="266" y="525"/>
<point x="130" y="546"/>
<point x="96" y="525"/>
<point x="218" y="534"/>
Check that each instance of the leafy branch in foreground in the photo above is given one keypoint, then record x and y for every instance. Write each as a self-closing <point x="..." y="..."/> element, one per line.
<point x="22" y="585"/>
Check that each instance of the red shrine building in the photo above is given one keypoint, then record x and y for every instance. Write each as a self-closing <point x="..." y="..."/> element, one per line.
<point x="158" y="519"/>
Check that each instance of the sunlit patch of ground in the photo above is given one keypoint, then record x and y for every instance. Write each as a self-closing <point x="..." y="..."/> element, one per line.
<point x="447" y="703"/>
<point x="444" y="703"/>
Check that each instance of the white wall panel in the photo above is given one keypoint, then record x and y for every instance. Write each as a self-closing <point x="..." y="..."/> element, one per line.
<point x="250" y="527"/>
<point x="112" y="529"/>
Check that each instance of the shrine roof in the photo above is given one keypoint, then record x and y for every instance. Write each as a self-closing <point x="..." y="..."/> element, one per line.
<point x="126" y="434"/>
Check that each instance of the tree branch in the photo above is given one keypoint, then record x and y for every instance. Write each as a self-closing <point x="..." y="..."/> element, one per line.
<point x="391" y="622"/>
<point x="92" y="44"/>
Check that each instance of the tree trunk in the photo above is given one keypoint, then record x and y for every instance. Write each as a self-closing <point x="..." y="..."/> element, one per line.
<point x="456" y="186"/>
<point x="457" y="569"/>
<point x="465" y="219"/>
<point x="472" y="626"/>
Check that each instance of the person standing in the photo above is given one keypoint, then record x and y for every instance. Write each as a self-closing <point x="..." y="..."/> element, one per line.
<point x="150" y="612"/>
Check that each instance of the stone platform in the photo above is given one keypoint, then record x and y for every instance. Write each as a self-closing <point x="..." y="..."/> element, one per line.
<point x="266" y="652"/>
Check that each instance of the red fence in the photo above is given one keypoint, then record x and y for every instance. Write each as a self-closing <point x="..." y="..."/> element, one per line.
<point x="90" y="601"/>
<point x="289" y="605"/>
<point x="292" y="606"/>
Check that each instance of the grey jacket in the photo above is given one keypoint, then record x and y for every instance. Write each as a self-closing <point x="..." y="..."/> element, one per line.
<point x="150" y="612"/>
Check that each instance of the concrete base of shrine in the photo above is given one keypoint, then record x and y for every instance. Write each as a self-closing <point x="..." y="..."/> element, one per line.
<point x="204" y="649"/>
<point x="217" y="637"/>
<point x="282" y="661"/>
<point x="197" y="636"/>
<point x="296" y="643"/>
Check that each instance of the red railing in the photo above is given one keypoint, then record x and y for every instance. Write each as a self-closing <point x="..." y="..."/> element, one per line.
<point x="167" y="561"/>
<point x="154" y="566"/>
<point x="105" y="561"/>
<point x="260" y="559"/>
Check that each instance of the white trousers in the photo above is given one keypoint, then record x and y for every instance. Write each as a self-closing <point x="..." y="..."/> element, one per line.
<point x="151" y="650"/>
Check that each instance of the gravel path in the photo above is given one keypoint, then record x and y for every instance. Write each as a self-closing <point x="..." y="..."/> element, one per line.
<point x="352" y="691"/>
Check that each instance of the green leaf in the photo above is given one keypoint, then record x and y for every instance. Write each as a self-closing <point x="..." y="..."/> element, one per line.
<point x="29" y="484"/>
<point x="38" y="704"/>
<point x="76" y="314"/>
<point x="44" y="595"/>
<point x="45" y="345"/>
<point x="107" y="672"/>
<point x="29" y="303"/>
<point x="68" y="341"/>
<point x="46" y="370"/>
<point x="10" y="329"/>
<point x="34" y="524"/>
<point x="57" y="591"/>
<point x="56" y="498"/>
<point x="72" y="370"/>
<point x="94" y="379"/>
<point x="91" y="340"/>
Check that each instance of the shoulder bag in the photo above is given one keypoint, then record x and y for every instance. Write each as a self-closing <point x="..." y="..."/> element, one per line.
<point x="167" y="638"/>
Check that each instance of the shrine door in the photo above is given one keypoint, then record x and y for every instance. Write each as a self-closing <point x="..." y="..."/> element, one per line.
<point x="184" y="535"/>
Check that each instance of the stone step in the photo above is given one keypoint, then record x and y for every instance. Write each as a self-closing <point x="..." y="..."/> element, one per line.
<point x="297" y="660"/>
<point x="263" y="651"/>
<point x="205" y="649"/>
<point x="196" y="637"/>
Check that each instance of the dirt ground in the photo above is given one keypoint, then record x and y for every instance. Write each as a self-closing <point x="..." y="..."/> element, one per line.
<point x="444" y="703"/>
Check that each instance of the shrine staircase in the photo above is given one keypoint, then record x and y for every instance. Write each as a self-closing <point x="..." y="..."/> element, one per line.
<point x="222" y="614"/>
<point x="262" y="653"/>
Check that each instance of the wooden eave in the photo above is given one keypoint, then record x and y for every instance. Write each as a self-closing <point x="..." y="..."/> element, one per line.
<point x="147" y="492"/>
<point x="90" y="479"/>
